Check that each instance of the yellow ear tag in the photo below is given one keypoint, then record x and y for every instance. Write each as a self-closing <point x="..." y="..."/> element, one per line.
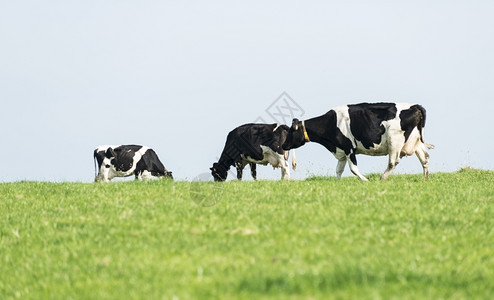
<point x="296" y="127"/>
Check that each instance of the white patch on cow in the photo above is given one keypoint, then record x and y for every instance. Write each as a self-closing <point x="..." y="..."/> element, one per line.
<point x="145" y="175"/>
<point x="412" y="143"/>
<point x="376" y="150"/>
<point x="339" y="154"/>
<point x="103" y="172"/>
<point x="343" y="122"/>
<point x="277" y="126"/>
<point x="402" y="106"/>
<point x="273" y="158"/>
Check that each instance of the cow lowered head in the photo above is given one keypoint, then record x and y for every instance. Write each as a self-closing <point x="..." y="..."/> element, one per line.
<point x="219" y="172"/>
<point x="297" y="136"/>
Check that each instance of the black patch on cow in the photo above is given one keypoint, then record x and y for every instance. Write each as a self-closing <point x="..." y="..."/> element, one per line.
<point x="411" y="118"/>
<point x="110" y="153"/>
<point x="150" y="162"/>
<point x="99" y="156"/>
<point x="324" y="130"/>
<point x="124" y="157"/>
<point x="366" y="119"/>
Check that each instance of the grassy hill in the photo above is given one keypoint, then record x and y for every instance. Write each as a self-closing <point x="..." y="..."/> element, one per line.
<point x="404" y="238"/>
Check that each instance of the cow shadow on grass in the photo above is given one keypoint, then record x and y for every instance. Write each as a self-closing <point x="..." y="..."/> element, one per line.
<point x="204" y="191"/>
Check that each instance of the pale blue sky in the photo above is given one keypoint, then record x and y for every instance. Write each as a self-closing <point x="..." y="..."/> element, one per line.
<point x="179" y="75"/>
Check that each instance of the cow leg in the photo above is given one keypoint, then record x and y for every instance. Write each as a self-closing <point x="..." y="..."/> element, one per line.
<point x="340" y="167"/>
<point x="146" y="175"/>
<point x="352" y="162"/>
<point x="391" y="166"/>
<point x="285" y="172"/>
<point x="285" y="169"/>
<point x="240" y="168"/>
<point x="101" y="179"/>
<point x="253" y="170"/>
<point x="396" y="144"/>
<point x="394" y="159"/>
<point x="103" y="175"/>
<point x="423" y="156"/>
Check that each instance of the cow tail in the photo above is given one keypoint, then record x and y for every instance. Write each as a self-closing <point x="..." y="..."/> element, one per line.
<point x="294" y="160"/>
<point x="422" y="126"/>
<point x="95" y="166"/>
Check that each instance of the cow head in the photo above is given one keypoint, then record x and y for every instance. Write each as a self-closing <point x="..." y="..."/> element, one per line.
<point x="168" y="174"/>
<point x="295" y="137"/>
<point x="105" y="158"/>
<point x="219" y="172"/>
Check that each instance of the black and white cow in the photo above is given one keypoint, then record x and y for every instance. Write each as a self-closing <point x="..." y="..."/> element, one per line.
<point x="254" y="144"/>
<point x="378" y="129"/>
<point x="128" y="160"/>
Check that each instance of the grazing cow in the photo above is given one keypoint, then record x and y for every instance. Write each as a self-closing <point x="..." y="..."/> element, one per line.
<point x="254" y="144"/>
<point x="378" y="129"/>
<point x="127" y="160"/>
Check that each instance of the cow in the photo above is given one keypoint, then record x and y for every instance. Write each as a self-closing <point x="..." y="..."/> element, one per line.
<point x="377" y="129"/>
<point x="128" y="160"/>
<point x="254" y="144"/>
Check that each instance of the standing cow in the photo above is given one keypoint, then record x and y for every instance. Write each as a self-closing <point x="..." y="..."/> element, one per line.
<point x="128" y="160"/>
<point x="378" y="129"/>
<point x="254" y="144"/>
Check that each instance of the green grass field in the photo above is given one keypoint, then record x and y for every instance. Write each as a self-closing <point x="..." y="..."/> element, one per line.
<point x="405" y="238"/>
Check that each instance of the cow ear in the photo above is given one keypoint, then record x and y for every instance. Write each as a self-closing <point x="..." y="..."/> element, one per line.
<point x="295" y="124"/>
